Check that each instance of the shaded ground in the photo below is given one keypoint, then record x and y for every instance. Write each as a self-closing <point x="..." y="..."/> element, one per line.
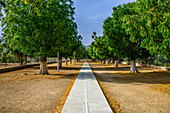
<point x="148" y="91"/>
<point x="2" y="65"/>
<point x="35" y="93"/>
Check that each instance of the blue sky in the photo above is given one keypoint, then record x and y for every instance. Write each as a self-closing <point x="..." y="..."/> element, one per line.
<point x="90" y="15"/>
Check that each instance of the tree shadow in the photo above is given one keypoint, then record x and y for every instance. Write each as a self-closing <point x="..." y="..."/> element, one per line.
<point x="112" y="69"/>
<point x="64" y="68"/>
<point x="122" y="75"/>
<point x="128" y="78"/>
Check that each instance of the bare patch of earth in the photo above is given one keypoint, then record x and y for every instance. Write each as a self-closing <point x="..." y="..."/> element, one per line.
<point x="33" y="93"/>
<point x="144" y="92"/>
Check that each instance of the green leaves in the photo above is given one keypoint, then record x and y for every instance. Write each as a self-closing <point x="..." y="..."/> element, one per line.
<point x="156" y="13"/>
<point x="99" y="49"/>
<point x="135" y="27"/>
<point x="40" y="26"/>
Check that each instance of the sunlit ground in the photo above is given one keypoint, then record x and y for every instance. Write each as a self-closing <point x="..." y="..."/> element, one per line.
<point x="147" y="91"/>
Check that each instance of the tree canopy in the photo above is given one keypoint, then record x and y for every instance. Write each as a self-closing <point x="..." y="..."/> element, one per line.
<point x="40" y="27"/>
<point x="135" y="30"/>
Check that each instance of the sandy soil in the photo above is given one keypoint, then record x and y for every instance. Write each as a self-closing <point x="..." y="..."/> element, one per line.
<point x="145" y="92"/>
<point x="35" y="93"/>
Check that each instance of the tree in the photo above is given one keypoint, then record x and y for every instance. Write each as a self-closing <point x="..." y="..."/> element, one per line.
<point x="36" y="25"/>
<point x="80" y="52"/>
<point x="67" y="41"/>
<point x="2" y="4"/>
<point x="92" y="51"/>
<point x="151" y="24"/>
<point x="119" y="40"/>
<point x="99" y="49"/>
<point x="114" y="33"/>
<point x="71" y="35"/>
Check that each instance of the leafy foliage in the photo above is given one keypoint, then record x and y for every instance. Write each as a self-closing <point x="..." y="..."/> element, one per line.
<point x="99" y="49"/>
<point x="150" y="25"/>
<point x="135" y="30"/>
<point x="40" y="27"/>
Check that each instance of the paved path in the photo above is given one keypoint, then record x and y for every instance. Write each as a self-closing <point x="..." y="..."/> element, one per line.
<point x="86" y="95"/>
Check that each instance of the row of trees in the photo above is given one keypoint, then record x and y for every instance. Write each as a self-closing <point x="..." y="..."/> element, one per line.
<point x="135" y="30"/>
<point x="41" y="28"/>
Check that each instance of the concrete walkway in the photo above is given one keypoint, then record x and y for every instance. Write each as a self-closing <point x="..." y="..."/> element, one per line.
<point x="86" y="95"/>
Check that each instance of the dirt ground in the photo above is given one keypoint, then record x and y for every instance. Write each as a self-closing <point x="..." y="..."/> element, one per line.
<point x="33" y="93"/>
<point x="2" y="65"/>
<point x="145" y="92"/>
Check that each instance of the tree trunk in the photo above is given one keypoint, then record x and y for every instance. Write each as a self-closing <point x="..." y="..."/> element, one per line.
<point x="5" y="60"/>
<point x="107" y="61"/>
<point x="116" y="63"/>
<point x="100" y="61"/>
<point x="21" y="60"/>
<point x="14" y="60"/>
<point x="113" y="60"/>
<point x="60" y="62"/>
<point x="43" y="66"/>
<point x="18" y="60"/>
<point x="77" y="60"/>
<point x="133" y="68"/>
<point x="157" y="60"/>
<point x="25" y="60"/>
<point x="167" y="63"/>
<point x="66" y="61"/>
<point x="141" y="62"/>
<point x="58" y="65"/>
<point x="110" y="60"/>
<point x="74" y="59"/>
<point x="150" y="61"/>
<point x="104" y="61"/>
<point x="70" y="60"/>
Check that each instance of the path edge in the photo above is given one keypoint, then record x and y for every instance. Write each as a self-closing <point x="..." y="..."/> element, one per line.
<point x="65" y="94"/>
<point x="115" y="107"/>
